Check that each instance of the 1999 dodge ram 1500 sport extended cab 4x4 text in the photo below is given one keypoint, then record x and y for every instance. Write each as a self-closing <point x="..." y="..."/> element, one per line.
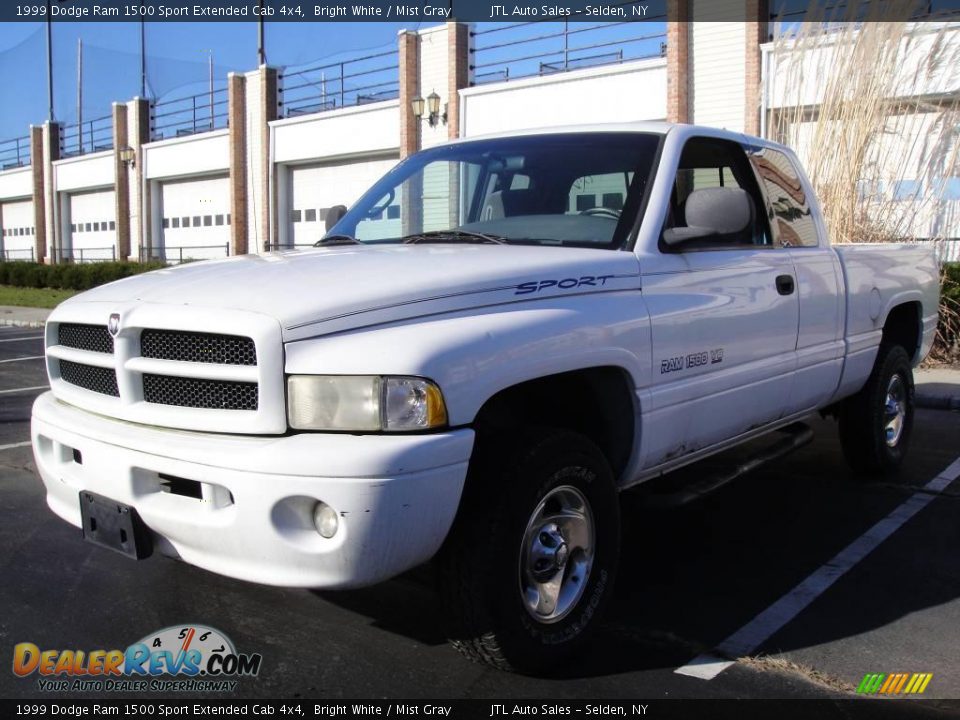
<point x="497" y="338"/>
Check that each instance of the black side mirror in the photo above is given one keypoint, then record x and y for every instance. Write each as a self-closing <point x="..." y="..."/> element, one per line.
<point x="333" y="215"/>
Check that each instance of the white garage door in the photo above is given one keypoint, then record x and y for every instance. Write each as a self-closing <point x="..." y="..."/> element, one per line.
<point x="318" y="187"/>
<point x="196" y="219"/>
<point x="18" y="230"/>
<point x="93" y="226"/>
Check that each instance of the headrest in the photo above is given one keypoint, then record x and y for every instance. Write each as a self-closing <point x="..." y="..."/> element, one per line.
<point x="725" y="210"/>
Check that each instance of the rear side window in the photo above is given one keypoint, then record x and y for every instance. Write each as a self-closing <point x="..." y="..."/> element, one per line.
<point x="793" y="224"/>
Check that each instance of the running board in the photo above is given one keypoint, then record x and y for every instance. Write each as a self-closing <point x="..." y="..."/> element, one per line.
<point x="798" y="435"/>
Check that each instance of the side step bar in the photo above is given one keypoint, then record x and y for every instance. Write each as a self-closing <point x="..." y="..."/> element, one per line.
<point x="798" y="435"/>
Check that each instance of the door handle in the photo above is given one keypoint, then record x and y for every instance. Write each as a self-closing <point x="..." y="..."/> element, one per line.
<point x="785" y="284"/>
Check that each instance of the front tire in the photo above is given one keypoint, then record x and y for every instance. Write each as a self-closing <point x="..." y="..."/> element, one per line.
<point x="876" y="423"/>
<point x="530" y="563"/>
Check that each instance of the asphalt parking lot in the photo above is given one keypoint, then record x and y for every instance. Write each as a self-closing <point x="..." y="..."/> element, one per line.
<point x="691" y="578"/>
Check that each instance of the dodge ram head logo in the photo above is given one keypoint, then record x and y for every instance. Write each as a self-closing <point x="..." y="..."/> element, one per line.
<point x="113" y="324"/>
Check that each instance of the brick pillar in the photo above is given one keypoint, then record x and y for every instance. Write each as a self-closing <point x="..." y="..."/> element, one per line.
<point x="121" y="183"/>
<point x="269" y="111"/>
<point x="458" y="71"/>
<point x="757" y="27"/>
<point x="260" y="102"/>
<point x="140" y="242"/>
<point x="237" y="94"/>
<point x="37" y="167"/>
<point x="49" y="151"/>
<point x="409" y="46"/>
<point x="678" y="61"/>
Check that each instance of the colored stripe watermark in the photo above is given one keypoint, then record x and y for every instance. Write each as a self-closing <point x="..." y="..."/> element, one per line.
<point x="894" y="683"/>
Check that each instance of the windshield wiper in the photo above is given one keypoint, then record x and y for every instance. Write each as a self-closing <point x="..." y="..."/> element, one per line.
<point x="337" y="240"/>
<point x="464" y="236"/>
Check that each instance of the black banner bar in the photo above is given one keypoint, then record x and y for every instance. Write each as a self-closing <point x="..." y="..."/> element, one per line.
<point x="417" y="11"/>
<point x="841" y="709"/>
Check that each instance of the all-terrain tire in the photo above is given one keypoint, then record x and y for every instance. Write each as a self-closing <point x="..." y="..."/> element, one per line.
<point x="501" y="546"/>
<point x="876" y="423"/>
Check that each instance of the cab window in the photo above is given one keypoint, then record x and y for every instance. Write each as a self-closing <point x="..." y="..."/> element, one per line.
<point x="713" y="163"/>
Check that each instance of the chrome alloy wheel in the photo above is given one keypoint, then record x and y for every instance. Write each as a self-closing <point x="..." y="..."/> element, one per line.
<point x="556" y="554"/>
<point x="894" y="410"/>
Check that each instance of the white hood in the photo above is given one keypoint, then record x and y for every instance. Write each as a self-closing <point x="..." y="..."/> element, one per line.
<point x="332" y="289"/>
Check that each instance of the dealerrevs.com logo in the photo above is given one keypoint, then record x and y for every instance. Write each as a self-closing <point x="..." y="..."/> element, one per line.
<point x="187" y="658"/>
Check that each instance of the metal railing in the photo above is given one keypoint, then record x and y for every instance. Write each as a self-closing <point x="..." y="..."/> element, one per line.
<point x="786" y="15"/>
<point x="88" y="255"/>
<point x="163" y="253"/>
<point x="14" y="255"/>
<point x="509" y="52"/>
<point x="189" y="115"/>
<point x="947" y="251"/>
<point x="357" y="81"/>
<point x="87" y="137"/>
<point x="14" y="153"/>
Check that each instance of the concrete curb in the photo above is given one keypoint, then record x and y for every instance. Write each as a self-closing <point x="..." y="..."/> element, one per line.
<point x="25" y="317"/>
<point x="5" y="322"/>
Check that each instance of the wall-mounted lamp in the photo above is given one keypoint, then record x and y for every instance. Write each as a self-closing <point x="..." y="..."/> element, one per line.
<point x="128" y="156"/>
<point x="432" y="108"/>
<point x="417" y="104"/>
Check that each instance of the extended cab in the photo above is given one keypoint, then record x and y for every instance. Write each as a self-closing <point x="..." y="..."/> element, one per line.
<point x="496" y="339"/>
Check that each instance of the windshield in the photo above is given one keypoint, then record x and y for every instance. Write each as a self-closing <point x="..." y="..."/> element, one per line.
<point x="582" y="189"/>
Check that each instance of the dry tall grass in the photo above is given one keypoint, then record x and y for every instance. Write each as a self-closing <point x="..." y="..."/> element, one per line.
<point x="873" y="110"/>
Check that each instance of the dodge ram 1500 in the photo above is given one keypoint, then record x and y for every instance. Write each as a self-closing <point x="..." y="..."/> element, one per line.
<point x="501" y="335"/>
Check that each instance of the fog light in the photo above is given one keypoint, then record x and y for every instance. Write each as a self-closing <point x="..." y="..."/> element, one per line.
<point x="326" y="520"/>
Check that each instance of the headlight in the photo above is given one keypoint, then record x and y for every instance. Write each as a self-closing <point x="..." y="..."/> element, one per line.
<point x="363" y="403"/>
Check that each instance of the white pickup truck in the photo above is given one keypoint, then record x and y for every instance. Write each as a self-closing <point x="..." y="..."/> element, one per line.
<point x="496" y="339"/>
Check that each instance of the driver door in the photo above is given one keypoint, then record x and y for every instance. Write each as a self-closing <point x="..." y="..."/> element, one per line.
<point x="724" y="319"/>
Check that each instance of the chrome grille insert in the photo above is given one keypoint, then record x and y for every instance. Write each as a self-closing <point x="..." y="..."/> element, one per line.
<point x="97" y="379"/>
<point x="198" y="347"/>
<point x="195" y="393"/>
<point x="93" y="338"/>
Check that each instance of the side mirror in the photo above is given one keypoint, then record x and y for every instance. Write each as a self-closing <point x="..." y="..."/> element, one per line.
<point x="333" y="215"/>
<point x="713" y="212"/>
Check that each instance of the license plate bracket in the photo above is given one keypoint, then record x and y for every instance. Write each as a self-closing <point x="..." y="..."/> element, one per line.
<point x="113" y="525"/>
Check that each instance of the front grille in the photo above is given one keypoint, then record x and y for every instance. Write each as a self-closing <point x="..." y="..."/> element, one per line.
<point x="198" y="347"/>
<point x="194" y="393"/>
<point x="90" y="377"/>
<point x="94" y="338"/>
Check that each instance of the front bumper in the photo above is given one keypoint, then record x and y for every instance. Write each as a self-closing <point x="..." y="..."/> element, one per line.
<point x="396" y="495"/>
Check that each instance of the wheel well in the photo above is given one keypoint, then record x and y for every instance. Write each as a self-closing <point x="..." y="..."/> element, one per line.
<point x="903" y="328"/>
<point x="596" y="402"/>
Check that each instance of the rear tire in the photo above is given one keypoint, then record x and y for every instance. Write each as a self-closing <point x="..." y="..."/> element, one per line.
<point x="530" y="563"/>
<point x="876" y="423"/>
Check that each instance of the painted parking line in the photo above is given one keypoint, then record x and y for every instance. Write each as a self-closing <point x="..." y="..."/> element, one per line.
<point x="32" y="357"/>
<point x="22" y="339"/>
<point x="756" y="632"/>
<point x="14" y="445"/>
<point x="24" y="390"/>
